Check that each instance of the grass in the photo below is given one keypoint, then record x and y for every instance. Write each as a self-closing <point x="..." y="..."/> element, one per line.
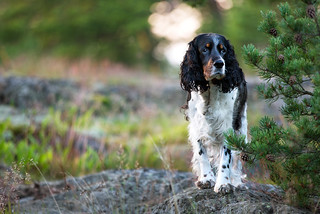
<point x="127" y="139"/>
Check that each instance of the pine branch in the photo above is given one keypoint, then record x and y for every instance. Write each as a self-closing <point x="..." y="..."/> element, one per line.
<point x="288" y="25"/>
<point x="309" y="34"/>
<point x="317" y="24"/>
<point x="305" y="92"/>
<point x="301" y="92"/>
<point x="292" y="154"/>
<point x="306" y="152"/>
<point x="308" y="114"/>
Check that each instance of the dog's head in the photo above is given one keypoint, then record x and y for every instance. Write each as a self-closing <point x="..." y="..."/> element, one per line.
<point x="210" y="57"/>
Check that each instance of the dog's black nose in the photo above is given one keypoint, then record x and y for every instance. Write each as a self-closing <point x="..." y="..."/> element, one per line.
<point x="218" y="64"/>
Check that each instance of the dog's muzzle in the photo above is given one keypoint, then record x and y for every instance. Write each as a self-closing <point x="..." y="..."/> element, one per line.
<point x="216" y="70"/>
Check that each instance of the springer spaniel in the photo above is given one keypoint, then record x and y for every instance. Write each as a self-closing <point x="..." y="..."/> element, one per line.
<point x="217" y="102"/>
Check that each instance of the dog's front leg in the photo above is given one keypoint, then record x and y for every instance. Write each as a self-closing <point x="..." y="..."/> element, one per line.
<point x="206" y="179"/>
<point x="223" y="178"/>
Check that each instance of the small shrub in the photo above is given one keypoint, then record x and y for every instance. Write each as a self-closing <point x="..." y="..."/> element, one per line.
<point x="290" y="65"/>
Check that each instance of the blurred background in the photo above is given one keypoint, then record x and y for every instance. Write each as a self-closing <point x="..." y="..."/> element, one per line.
<point x="93" y="85"/>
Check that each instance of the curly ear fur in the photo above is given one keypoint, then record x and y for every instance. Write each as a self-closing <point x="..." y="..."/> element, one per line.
<point x="234" y="75"/>
<point x="191" y="75"/>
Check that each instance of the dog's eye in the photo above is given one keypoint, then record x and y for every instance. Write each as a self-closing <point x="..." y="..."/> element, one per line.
<point x="206" y="48"/>
<point x="221" y="48"/>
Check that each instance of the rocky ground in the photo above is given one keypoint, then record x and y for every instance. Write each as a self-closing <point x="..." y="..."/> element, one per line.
<point x="125" y="191"/>
<point x="146" y="191"/>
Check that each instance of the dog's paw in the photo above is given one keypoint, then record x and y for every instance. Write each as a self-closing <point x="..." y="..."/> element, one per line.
<point x="207" y="181"/>
<point x="205" y="184"/>
<point x="224" y="189"/>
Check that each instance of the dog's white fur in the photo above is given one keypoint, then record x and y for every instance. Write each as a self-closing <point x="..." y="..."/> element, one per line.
<point x="211" y="114"/>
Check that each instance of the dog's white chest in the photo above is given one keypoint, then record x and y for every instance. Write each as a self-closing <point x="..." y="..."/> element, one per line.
<point x="211" y="114"/>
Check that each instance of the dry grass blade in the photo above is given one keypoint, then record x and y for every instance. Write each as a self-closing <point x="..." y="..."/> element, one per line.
<point x="51" y="193"/>
<point x="167" y="167"/>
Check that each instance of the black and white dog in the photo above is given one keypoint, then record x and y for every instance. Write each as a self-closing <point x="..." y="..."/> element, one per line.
<point x="217" y="102"/>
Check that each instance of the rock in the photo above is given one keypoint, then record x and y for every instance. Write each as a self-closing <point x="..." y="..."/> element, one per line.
<point x="240" y="200"/>
<point x="147" y="191"/>
<point x="26" y="92"/>
<point x="111" y="191"/>
<point x="134" y="98"/>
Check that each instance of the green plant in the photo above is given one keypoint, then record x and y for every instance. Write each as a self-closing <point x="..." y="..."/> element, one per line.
<point x="290" y="65"/>
<point x="48" y="144"/>
<point x="127" y="140"/>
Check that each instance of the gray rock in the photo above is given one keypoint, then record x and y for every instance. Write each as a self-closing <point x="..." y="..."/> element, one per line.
<point x="147" y="191"/>
<point x="26" y="92"/>
<point x="240" y="200"/>
<point x="111" y="191"/>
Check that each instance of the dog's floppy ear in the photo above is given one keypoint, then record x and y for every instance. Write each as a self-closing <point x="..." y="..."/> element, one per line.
<point x="234" y="74"/>
<point x="230" y="57"/>
<point x="191" y="75"/>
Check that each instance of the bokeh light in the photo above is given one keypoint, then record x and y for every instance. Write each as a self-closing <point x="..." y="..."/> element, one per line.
<point x="177" y="24"/>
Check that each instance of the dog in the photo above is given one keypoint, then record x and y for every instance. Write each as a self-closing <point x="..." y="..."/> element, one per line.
<point x="216" y="102"/>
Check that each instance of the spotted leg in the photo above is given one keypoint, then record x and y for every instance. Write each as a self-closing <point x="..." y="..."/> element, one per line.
<point x="223" y="178"/>
<point x="206" y="179"/>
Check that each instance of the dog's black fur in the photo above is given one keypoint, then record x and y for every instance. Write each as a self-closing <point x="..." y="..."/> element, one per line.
<point x="192" y="76"/>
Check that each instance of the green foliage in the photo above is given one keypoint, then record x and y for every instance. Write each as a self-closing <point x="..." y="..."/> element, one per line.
<point x="129" y="141"/>
<point x="290" y="65"/>
<point x="118" y="30"/>
<point x="252" y="56"/>
<point x="233" y="139"/>
<point x="269" y="21"/>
